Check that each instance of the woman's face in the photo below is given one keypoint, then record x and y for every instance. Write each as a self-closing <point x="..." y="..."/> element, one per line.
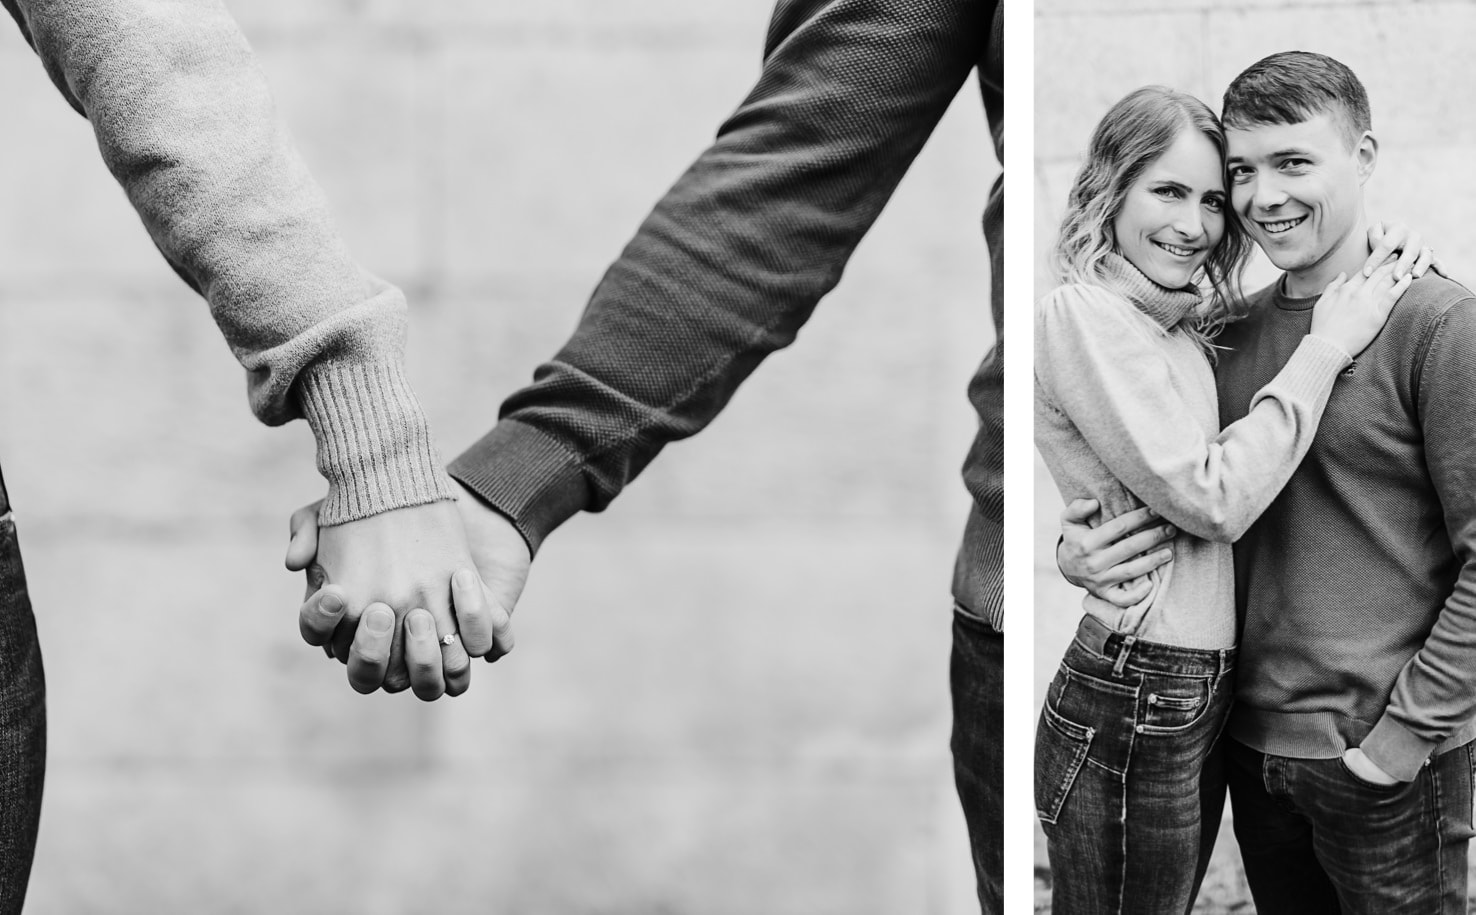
<point x="1174" y="214"/>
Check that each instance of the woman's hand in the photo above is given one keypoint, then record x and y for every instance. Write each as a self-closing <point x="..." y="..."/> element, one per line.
<point x="1352" y="311"/>
<point x="1405" y="246"/>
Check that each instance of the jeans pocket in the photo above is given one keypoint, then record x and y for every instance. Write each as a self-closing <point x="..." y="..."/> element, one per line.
<point x="1366" y="785"/>
<point x="1060" y="751"/>
<point x="1175" y="704"/>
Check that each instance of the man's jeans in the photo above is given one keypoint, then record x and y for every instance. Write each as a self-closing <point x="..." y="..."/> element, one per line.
<point x="1316" y="838"/>
<point x="977" y="678"/>
<point x="22" y="721"/>
<point x="1128" y="785"/>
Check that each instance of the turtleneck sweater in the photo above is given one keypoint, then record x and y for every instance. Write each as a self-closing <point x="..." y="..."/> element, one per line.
<point x="1126" y="413"/>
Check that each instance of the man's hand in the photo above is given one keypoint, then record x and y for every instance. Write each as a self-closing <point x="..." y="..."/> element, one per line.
<point x="1364" y="768"/>
<point x="1112" y="559"/>
<point x="503" y="561"/>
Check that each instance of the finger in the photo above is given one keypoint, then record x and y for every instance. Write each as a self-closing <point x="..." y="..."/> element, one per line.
<point x="1136" y="568"/>
<point x="1423" y="262"/>
<point x="1407" y="257"/>
<point x="1337" y="283"/>
<point x="1399" y="288"/>
<point x="1079" y="511"/>
<point x="369" y="655"/>
<point x="302" y="540"/>
<point x="1124" y="551"/>
<point x="502" y="631"/>
<point x="397" y="677"/>
<point x="423" y="656"/>
<point x="456" y="666"/>
<point x="1124" y="524"/>
<point x="473" y="615"/>
<point x="1380" y="253"/>
<point x="319" y="615"/>
<point x="1128" y="593"/>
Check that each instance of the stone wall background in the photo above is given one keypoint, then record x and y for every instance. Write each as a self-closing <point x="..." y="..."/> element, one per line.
<point x="1411" y="57"/>
<point x="730" y="690"/>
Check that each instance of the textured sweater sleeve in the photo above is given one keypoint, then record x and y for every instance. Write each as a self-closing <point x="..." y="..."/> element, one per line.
<point x="1435" y="693"/>
<point x="734" y="258"/>
<point x="1098" y="362"/>
<point x="185" y="122"/>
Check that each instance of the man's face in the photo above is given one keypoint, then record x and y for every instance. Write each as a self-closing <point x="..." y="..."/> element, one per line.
<point x="1298" y="188"/>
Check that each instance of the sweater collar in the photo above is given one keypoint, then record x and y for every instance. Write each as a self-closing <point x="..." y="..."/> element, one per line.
<point x="1166" y="306"/>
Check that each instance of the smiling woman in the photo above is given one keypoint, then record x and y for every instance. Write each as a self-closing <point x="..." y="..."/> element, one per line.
<point x="1174" y="214"/>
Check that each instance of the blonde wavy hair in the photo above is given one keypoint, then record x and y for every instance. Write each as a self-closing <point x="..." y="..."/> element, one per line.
<point x="1133" y="134"/>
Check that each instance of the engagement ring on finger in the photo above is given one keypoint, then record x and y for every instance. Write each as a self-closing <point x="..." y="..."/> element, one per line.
<point x="448" y="639"/>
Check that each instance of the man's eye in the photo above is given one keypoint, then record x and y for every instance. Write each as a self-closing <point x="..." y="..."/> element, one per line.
<point x="1241" y="173"/>
<point x="1294" y="163"/>
<point x="1215" y="204"/>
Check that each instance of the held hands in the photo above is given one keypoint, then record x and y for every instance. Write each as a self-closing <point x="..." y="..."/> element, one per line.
<point x="1112" y="559"/>
<point x="386" y="591"/>
<point x="1352" y="311"/>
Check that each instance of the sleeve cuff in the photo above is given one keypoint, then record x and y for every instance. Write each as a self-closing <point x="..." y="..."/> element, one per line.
<point x="1395" y="749"/>
<point x="526" y="475"/>
<point x="374" y="444"/>
<point x="1308" y="373"/>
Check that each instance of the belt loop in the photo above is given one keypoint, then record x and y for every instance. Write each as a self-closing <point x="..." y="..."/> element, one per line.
<point x="1122" y="654"/>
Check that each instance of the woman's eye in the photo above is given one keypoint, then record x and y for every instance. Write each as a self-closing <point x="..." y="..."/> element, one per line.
<point x="1171" y="193"/>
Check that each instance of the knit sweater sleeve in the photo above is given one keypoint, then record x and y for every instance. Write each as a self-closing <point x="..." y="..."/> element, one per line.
<point x="1435" y="693"/>
<point x="185" y="122"/>
<point x="734" y="258"/>
<point x="1103" y="364"/>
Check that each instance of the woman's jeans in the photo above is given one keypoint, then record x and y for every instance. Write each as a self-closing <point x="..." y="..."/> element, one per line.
<point x="22" y="721"/>
<point x="1126" y="785"/>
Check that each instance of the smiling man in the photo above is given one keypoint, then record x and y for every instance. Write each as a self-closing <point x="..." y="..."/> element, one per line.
<point x="1350" y="752"/>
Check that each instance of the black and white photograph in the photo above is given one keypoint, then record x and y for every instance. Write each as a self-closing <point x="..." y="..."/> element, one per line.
<point x="1254" y="410"/>
<point x="649" y="349"/>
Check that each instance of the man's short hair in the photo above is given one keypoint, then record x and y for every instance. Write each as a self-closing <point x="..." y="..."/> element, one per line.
<point x="1296" y="86"/>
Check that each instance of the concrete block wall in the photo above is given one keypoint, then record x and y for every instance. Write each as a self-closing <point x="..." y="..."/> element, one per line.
<point x="1410" y="57"/>
<point x="730" y="690"/>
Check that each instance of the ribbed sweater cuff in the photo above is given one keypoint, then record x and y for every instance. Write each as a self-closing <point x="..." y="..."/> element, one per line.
<point x="1307" y="373"/>
<point x="527" y="475"/>
<point x="374" y="444"/>
<point x="1396" y="749"/>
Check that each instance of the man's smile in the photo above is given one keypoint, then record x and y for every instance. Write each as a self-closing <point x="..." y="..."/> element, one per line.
<point x="1281" y="225"/>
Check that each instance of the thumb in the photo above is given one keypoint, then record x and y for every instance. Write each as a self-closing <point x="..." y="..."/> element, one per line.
<point x="302" y="543"/>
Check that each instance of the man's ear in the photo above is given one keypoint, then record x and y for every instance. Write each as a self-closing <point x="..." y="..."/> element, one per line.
<point x="1367" y="153"/>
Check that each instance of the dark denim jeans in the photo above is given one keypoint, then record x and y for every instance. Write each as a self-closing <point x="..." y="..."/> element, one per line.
<point x="22" y="721"/>
<point x="1316" y="838"/>
<point x="1128" y="785"/>
<point x="976" y="675"/>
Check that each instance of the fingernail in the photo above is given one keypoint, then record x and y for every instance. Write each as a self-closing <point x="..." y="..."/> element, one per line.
<point x="1165" y="555"/>
<point x="1168" y="530"/>
<point x="332" y="603"/>
<point x="465" y="579"/>
<point x="420" y="623"/>
<point x="1152" y="513"/>
<point x="379" y="620"/>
